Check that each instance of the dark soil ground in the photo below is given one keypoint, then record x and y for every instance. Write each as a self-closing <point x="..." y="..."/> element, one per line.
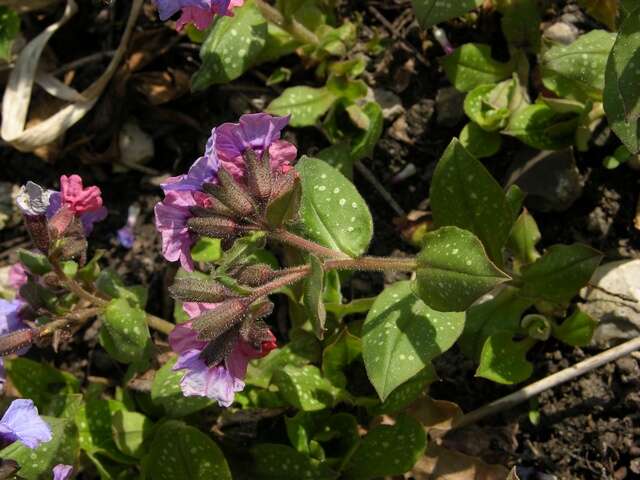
<point x="587" y="429"/>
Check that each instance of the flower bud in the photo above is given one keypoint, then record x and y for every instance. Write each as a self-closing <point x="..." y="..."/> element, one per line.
<point x="253" y="275"/>
<point x="259" y="178"/>
<point x="232" y="194"/>
<point x="38" y="231"/>
<point x="216" y="227"/>
<point x="215" y="209"/>
<point x="213" y="323"/>
<point x="284" y="203"/>
<point x="15" y="341"/>
<point x="196" y="290"/>
<point x="220" y="348"/>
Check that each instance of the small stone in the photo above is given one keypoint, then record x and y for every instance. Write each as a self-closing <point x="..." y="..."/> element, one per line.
<point x="390" y="103"/>
<point x="562" y="33"/>
<point x="449" y="106"/>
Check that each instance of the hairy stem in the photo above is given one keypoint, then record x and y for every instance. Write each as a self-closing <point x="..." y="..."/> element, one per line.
<point x="291" y="26"/>
<point x="551" y="381"/>
<point x="379" y="264"/>
<point x="75" y="288"/>
<point x="283" y="236"/>
<point x="287" y="277"/>
<point x="159" y="324"/>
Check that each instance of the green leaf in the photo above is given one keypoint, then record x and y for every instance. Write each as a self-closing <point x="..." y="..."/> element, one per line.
<point x="124" y="333"/>
<point x="303" y="348"/>
<point x="387" y="450"/>
<point x="515" y="199"/>
<point x="344" y="350"/>
<point x="180" y="452"/>
<point x="401" y="335"/>
<point x="365" y="142"/>
<point x="501" y="313"/>
<point x="454" y="271"/>
<point x="312" y="296"/>
<point x="560" y="273"/>
<point x="305" y="105"/>
<point x="305" y="388"/>
<point x="110" y="283"/>
<point x="346" y="88"/>
<point x="36" y="263"/>
<point x="432" y="12"/>
<point x="465" y="195"/>
<point x="94" y="421"/>
<point x="621" y="96"/>
<point x="242" y="248"/>
<point x="130" y="430"/>
<point x="407" y="393"/>
<point x="539" y="126"/>
<point x="503" y="360"/>
<point x="521" y="23"/>
<point x="471" y="65"/>
<point x="232" y="47"/>
<point x="166" y="392"/>
<point x="36" y="464"/>
<point x="478" y="109"/>
<point x="524" y="237"/>
<point x="576" y="330"/>
<point x="207" y="250"/>
<point x="578" y="70"/>
<point x="339" y="157"/>
<point x="39" y="381"/>
<point x="479" y="142"/>
<point x="281" y="462"/>
<point x="333" y="212"/>
<point x="9" y="29"/>
<point x="90" y="272"/>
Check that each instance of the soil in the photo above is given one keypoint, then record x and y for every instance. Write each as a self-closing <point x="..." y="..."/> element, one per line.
<point x="586" y="429"/>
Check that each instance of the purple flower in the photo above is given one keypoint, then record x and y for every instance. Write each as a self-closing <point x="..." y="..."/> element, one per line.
<point x="198" y="12"/>
<point x="126" y="236"/>
<point x="62" y="472"/>
<point x="10" y="321"/>
<point x="21" y="422"/>
<point x="217" y="382"/>
<point x="17" y="276"/>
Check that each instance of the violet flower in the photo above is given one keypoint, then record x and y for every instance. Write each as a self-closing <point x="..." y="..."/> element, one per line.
<point x="198" y="12"/>
<point x="217" y="382"/>
<point x="21" y="422"/>
<point x="126" y="236"/>
<point x="10" y="321"/>
<point x="258" y="131"/>
<point x="62" y="472"/>
<point x="17" y="276"/>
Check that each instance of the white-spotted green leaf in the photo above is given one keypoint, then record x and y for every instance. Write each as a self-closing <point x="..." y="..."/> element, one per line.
<point x="465" y="195"/>
<point x="281" y="462"/>
<point x="110" y="283"/>
<point x="130" y="430"/>
<point x="305" y="388"/>
<point x="365" y="142"/>
<point x="333" y="212"/>
<point x="401" y="335"/>
<point x="166" y="392"/>
<point x="36" y="464"/>
<point x="124" y="333"/>
<point x="407" y="393"/>
<point x="305" y="104"/>
<point x="432" y="12"/>
<point x="621" y="95"/>
<point x="576" y="330"/>
<point x="40" y="382"/>
<point x="479" y="142"/>
<point x="471" y="65"/>
<point x="454" y="270"/>
<point x="539" y="126"/>
<point x="524" y="237"/>
<point x="504" y="360"/>
<point x="303" y="348"/>
<point x="232" y="47"/>
<point x="521" y="23"/>
<point x="387" y="450"/>
<point x="312" y="296"/>
<point x="560" y="273"/>
<point x="577" y="70"/>
<point x="180" y="452"/>
<point x="480" y="111"/>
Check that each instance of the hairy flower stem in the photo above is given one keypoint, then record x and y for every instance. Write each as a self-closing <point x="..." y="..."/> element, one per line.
<point x="159" y="324"/>
<point x="291" y="26"/>
<point x="283" y="236"/>
<point x="287" y="277"/>
<point x="380" y="264"/>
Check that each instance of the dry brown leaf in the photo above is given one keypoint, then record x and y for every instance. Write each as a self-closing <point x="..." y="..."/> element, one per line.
<point x="18" y="93"/>
<point x="162" y="87"/>
<point x="437" y="416"/>
<point x="442" y="464"/>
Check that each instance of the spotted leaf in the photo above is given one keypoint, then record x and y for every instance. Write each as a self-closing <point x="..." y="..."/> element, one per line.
<point x="124" y="333"/>
<point x="432" y="12"/>
<point x="401" y="335"/>
<point x="281" y="462"/>
<point x="305" y="387"/>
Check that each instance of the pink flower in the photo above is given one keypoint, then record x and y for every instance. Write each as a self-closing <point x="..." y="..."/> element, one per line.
<point x="17" y="276"/>
<point x="77" y="198"/>
<point x="198" y="12"/>
<point x="217" y="382"/>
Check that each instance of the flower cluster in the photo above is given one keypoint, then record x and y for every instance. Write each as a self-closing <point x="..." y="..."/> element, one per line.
<point x="198" y="12"/>
<point x="228" y="191"/>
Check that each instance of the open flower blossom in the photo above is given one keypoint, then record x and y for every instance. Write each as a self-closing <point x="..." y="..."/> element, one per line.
<point x="126" y="235"/>
<point x="62" y="472"/>
<point x="21" y="422"/>
<point x="10" y="321"/>
<point x="198" y="12"/>
<point x="217" y="382"/>
<point x="33" y="200"/>
<point x="17" y="276"/>
<point x="225" y="147"/>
